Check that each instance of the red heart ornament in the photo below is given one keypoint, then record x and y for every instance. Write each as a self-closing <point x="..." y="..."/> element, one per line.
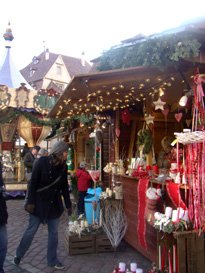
<point x="165" y="112"/>
<point x="188" y="122"/>
<point x="178" y="116"/>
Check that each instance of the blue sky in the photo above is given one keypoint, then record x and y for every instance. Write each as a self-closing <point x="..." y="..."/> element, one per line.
<point x="70" y="27"/>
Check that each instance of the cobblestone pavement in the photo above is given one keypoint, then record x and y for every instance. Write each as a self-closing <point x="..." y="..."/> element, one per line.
<point x="35" y="259"/>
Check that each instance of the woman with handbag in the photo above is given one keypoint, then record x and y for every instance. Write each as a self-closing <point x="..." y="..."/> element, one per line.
<point x="47" y="186"/>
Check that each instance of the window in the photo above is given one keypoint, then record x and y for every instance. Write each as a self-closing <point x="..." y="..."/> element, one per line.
<point x="35" y="60"/>
<point x="58" y="69"/>
<point x="59" y="85"/>
<point x="32" y="71"/>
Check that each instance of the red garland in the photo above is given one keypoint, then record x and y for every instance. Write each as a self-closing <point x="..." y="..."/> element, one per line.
<point x="141" y="223"/>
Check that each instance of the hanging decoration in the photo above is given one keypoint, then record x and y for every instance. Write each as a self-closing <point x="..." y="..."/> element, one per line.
<point x="144" y="140"/>
<point x="70" y="159"/>
<point x="31" y="132"/>
<point x="126" y="117"/>
<point x="8" y="131"/>
<point x="178" y="116"/>
<point x="149" y="119"/>
<point x="159" y="104"/>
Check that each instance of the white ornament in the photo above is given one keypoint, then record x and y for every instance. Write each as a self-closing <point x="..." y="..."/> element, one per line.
<point x="159" y="104"/>
<point x="149" y="119"/>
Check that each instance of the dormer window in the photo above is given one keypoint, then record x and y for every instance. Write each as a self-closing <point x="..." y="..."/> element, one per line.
<point x="35" y="60"/>
<point x="31" y="72"/>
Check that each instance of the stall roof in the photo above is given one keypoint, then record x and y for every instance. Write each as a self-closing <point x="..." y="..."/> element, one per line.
<point x="109" y="90"/>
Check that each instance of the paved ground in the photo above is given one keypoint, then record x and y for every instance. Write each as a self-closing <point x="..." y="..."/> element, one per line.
<point x="35" y="259"/>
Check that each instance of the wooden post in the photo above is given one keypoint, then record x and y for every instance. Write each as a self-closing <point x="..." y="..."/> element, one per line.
<point x="117" y="125"/>
<point x="132" y="138"/>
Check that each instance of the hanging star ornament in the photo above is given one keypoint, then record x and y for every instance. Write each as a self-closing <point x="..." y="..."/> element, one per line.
<point x="159" y="104"/>
<point x="149" y="119"/>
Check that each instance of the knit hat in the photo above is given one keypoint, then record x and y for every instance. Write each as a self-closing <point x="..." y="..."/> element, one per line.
<point x="42" y="152"/>
<point x="59" y="147"/>
<point x="37" y="148"/>
<point x="82" y="164"/>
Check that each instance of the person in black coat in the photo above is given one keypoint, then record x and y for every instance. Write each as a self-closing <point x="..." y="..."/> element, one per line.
<point x="3" y="222"/>
<point x="29" y="158"/>
<point x="47" y="186"/>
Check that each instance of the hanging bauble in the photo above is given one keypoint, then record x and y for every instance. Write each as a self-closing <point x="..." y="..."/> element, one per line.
<point x="32" y="133"/>
<point x="126" y="117"/>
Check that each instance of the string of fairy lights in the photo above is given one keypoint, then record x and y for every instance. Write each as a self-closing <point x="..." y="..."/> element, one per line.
<point x="118" y="96"/>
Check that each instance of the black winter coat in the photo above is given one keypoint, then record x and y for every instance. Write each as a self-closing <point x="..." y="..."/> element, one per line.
<point x="3" y="208"/>
<point x="28" y="161"/>
<point x="48" y="203"/>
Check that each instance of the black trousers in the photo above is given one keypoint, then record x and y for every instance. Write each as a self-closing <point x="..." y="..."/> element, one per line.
<point x="81" y="205"/>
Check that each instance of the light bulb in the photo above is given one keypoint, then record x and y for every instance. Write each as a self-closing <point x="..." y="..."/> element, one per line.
<point x="183" y="100"/>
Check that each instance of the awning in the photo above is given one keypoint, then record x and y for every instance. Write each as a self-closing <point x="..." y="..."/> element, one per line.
<point x="103" y="91"/>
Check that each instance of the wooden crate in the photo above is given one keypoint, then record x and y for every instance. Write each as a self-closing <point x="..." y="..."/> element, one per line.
<point x="80" y="245"/>
<point x="189" y="247"/>
<point x="102" y="244"/>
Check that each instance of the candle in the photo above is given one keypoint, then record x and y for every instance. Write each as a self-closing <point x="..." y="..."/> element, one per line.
<point x="180" y="213"/>
<point x="186" y="216"/>
<point x="139" y="270"/>
<point x="133" y="267"/>
<point x="122" y="267"/>
<point x="160" y="258"/>
<point x="168" y="212"/>
<point x="174" y="215"/>
<point x="86" y="223"/>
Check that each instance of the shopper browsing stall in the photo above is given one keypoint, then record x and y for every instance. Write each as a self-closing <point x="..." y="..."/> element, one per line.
<point x="84" y="182"/>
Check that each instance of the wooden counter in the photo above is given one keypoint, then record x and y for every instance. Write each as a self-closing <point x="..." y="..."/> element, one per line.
<point x="130" y="198"/>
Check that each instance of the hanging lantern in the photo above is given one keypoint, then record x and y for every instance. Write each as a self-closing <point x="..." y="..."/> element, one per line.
<point x="32" y="133"/>
<point x="8" y="131"/>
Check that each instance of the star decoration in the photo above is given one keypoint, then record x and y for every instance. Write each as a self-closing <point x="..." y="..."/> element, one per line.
<point x="159" y="104"/>
<point x="149" y="119"/>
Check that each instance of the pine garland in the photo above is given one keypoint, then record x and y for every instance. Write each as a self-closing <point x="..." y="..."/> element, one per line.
<point x="160" y="51"/>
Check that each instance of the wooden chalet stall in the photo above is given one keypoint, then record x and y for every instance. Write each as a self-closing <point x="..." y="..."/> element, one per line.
<point x="132" y="99"/>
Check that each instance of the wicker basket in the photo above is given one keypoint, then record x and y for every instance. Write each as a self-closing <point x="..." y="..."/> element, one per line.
<point x="190" y="137"/>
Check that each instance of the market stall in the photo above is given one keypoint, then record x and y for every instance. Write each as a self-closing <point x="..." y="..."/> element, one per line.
<point x="140" y="150"/>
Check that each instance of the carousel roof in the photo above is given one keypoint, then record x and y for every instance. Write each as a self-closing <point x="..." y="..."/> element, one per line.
<point x="9" y="74"/>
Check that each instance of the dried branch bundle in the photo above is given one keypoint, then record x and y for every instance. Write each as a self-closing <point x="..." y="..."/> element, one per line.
<point x="114" y="221"/>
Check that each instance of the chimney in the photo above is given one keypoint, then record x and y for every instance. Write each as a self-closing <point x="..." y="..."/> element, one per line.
<point x="47" y="54"/>
<point x="83" y="58"/>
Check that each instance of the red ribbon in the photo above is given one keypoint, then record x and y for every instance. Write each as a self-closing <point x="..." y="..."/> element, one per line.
<point x="141" y="223"/>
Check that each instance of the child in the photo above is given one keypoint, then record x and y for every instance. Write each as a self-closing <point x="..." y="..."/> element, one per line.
<point x="84" y="180"/>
